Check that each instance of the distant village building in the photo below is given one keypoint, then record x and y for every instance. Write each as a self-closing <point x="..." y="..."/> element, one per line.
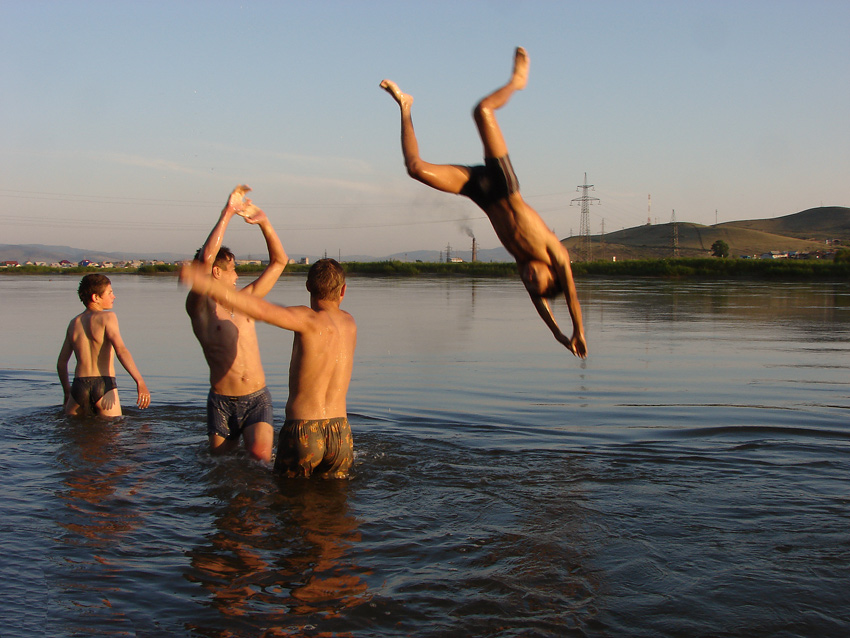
<point x="9" y="264"/>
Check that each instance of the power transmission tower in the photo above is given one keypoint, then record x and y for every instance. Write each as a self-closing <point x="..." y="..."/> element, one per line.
<point x="584" y="228"/>
<point x="675" y="235"/>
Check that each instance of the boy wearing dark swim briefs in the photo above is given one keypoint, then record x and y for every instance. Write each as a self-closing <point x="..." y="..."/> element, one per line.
<point x="543" y="261"/>
<point x="316" y="438"/>
<point x="93" y="337"/>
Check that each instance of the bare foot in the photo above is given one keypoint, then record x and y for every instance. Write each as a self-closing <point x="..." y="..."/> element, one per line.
<point x="404" y="100"/>
<point x="521" y="64"/>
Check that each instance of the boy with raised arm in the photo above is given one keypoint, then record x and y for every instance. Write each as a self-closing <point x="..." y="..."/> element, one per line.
<point x="316" y="437"/>
<point x="543" y="261"/>
<point x="238" y="404"/>
<point x="92" y="337"/>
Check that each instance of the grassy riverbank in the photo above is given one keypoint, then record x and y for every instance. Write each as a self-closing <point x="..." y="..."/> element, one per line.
<point x="777" y="269"/>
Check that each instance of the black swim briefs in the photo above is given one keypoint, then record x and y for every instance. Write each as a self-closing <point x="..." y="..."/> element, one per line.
<point x="491" y="182"/>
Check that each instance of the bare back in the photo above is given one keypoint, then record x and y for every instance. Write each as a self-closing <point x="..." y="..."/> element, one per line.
<point x="321" y="364"/>
<point x="91" y="337"/>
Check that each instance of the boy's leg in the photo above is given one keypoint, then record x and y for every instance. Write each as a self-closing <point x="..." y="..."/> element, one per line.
<point x="443" y="177"/>
<point x="485" y="111"/>
<point x="259" y="439"/>
<point x="221" y="445"/>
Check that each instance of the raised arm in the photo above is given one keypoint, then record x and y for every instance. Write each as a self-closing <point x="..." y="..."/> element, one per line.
<point x="278" y="259"/>
<point x="143" y="397"/>
<point x="236" y="204"/>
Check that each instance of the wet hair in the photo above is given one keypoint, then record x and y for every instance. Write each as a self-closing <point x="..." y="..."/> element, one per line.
<point x="92" y="284"/>
<point x="326" y="279"/>
<point x="555" y="290"/>
<point x="224" y="255"/>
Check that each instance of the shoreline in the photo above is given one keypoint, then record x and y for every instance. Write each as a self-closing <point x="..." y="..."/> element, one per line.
<point x="680" y="268"/>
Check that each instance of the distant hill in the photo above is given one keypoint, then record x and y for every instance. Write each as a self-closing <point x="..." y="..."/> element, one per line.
<point x="50" y="254"/>
<point x="826" y="222"/>
<point x="806" y="231"/>
<point x="39" y="252"/>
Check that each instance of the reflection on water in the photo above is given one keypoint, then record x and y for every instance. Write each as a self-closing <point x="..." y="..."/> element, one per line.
<point x="688" y="479"/>
<point x="280" y="555"/>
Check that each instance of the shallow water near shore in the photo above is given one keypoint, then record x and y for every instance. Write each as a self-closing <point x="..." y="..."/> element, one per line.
<point x="688" y="479"/>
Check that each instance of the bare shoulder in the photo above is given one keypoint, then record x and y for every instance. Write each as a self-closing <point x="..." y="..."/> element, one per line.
<point x="108" y="320"/>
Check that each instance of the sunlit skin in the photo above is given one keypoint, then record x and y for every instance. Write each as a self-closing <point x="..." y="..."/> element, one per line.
<point x="322" y="351"/>
<point x="228" y="338"/>
<point x="543" y="261"/>
<point x="93" y="338"/>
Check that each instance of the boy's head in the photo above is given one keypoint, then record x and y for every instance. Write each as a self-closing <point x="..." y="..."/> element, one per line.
<point x="326" y="280"/>
<point x="224" y="255"/>
<point x="540" y="280"/>
<point x="90" y="285"/>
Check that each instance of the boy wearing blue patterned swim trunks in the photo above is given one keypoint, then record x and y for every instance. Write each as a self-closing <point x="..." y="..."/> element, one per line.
<point x="238" y="405"/>
<point x="316" y="438"/>
<point x="543" y="261"/>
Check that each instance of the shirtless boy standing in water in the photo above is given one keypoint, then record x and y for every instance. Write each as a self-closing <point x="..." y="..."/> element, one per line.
<point x="239" y="404"/>
<point x="316" y="437"/>
<point x="92" y="337"/>
<point x="543" y="261"/>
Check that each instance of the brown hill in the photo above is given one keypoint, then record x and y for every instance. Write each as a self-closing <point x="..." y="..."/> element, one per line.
<point x="826" y="222"/>
<point x="802" y="232"/>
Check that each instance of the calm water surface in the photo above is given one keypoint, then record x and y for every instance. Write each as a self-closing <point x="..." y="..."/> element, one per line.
<point x="689" y="479"/>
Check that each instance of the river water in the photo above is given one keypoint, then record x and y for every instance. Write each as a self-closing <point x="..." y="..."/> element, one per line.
<point x="690" y="478"/>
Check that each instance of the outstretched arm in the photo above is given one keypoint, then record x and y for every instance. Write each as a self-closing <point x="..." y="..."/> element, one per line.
<point x="278" y="259"/>
<point x="545" y="311"/>
<point x="143" y="396"/>
<point x="560" y="260"/>
<point x="295" y="318"/>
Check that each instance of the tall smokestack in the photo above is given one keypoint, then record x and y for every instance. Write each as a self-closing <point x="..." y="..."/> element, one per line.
<point x="474" y="249"/>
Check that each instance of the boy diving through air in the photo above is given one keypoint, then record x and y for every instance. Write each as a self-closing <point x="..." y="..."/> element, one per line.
<point x="543" y="261"/>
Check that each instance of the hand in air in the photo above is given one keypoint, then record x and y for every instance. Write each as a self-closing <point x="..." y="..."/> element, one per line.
<point x="578" y="346"/>
<point x="252" y="214"/>
<point x="237" y="201"/>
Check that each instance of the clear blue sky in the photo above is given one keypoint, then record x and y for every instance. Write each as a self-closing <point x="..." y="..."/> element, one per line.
<point x="126" y="124"/>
